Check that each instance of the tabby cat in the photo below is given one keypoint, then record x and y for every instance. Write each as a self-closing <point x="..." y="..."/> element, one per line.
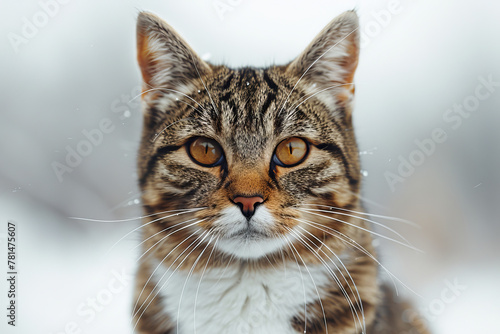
<point x="250" y="184"/>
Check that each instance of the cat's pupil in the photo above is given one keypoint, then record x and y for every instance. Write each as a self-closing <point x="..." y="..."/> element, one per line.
<point x="205" y="151"/>
<point x="291" y="151"/>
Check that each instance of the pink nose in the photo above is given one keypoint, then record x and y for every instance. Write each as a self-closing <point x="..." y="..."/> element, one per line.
<point x="248" y="204"/>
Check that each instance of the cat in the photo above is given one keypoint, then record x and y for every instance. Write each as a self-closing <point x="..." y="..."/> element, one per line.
<point x="250" y="184"/>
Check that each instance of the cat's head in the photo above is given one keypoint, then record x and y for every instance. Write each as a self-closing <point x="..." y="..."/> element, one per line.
<point x="250" y="151"/>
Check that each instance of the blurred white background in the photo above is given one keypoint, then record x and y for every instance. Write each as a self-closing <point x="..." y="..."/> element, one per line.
<point x="68" y="65"/>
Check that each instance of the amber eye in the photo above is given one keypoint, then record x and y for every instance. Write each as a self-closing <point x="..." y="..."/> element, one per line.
<point x="291" y="152"/>
<point x="205" y="151"/>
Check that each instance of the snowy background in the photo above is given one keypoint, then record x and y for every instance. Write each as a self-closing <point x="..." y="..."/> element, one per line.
<point x="67" y="67"/>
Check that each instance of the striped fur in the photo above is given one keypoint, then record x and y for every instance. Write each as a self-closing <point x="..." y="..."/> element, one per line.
<point x="249" y="111"/>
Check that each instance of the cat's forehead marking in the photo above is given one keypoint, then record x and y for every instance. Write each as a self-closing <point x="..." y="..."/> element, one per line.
<point x="250" y="115"/>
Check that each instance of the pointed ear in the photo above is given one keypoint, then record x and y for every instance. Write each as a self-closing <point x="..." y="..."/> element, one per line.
<point x="165" y="59"/>
<point x="331" y="59"/>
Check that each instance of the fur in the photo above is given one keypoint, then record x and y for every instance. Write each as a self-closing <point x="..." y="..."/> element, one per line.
<point x="304" y="261"/>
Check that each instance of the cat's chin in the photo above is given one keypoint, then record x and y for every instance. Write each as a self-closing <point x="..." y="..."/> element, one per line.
<point x="250" y="247"/>
<point x="248" y="240"/>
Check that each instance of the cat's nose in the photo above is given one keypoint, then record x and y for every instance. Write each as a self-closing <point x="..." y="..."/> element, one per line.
<point x="248" y="204"/>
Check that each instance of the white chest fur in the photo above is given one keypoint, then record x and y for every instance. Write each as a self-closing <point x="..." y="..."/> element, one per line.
<point x="240" y="301"/>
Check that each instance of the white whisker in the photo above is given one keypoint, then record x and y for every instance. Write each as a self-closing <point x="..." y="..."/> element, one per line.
<point x="359" y="302"/>
<point x="289" y="243"/>
<point x="189" y="276"/>
<point x="314" y="283"/>
<point x="405" y="221"/>
<point x="132" y="219"/>
<point x="204" y="234"/>
<point x="199" y="284"/>
<point x="157" y="267"/>
<point x="151" y="222"/>
<point x="161" y="231"/>
<point x="365" y="219"/>
<point x="164" y="129"/>
<point x="356" y="245"/>
<point x="165" y="237"/>
<point x="364" y="229"/>
<point x="334" y="276"/>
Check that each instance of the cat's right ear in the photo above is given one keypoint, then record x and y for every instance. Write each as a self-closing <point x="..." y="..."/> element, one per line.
<point x="166" y="60"/>
<point x="330" y="60"/>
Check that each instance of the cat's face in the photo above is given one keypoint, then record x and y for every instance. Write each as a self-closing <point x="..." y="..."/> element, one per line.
<point x="248" y="149"/>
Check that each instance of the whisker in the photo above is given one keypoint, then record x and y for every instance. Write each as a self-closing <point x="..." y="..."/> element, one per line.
<point x="157" y="267"/>
<point x="151" y="222"/>
<point x="164" y="230"/>
<point x="289" y="244"/>
<point x="355" y="244"/>
<point x="132" y="219"/>
<point x="405" y="221"/>
<point x="344" y="238"/>
<point x="364" y="229"/>
<point x="364" y="199"/>
<point x="165" y="237"/>
<point x="315" y="287"/>
<point x="334" y="276"/>
<point x="204" y="235"/>
<point x="365" y="219"/>
<point x="359" y="301"/>
<point x="160" y="132"/>
<point x="188" y="277"/>
<point x="199" y="283"/>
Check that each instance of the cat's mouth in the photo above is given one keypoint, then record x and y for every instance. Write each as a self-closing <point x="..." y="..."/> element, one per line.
<point x="248" y="234"/>
<point x="248" y="238"/>
<point x="250" y="244"/>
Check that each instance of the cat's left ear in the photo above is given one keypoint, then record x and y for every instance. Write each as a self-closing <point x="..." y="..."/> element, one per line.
<point x="330" y="60"/>
<point x="165" y="59"/>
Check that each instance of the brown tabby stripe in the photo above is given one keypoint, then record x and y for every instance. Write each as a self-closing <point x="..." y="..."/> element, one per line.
<point x="336" y="152"/>
<point x="153" y="161"/>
